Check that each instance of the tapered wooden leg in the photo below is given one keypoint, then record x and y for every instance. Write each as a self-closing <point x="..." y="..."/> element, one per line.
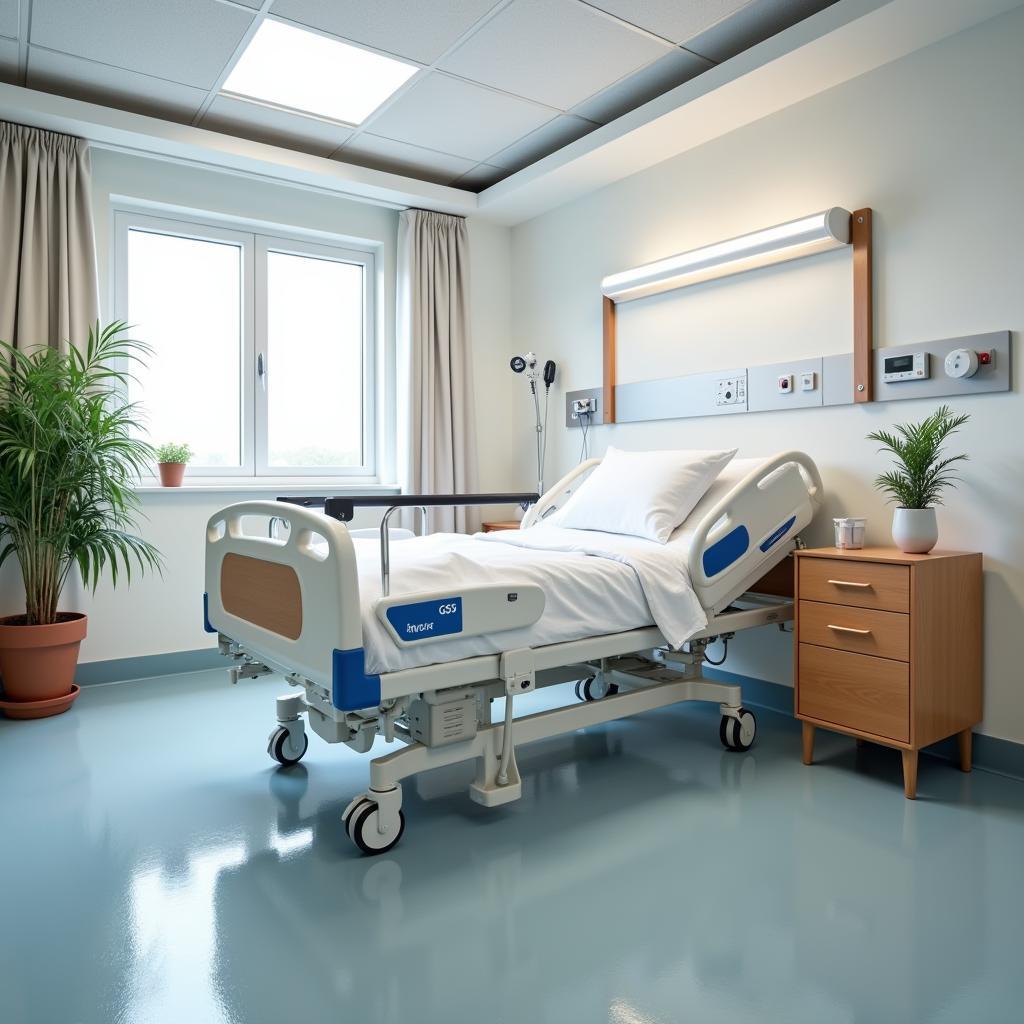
<point x="910" y="774"/>
<point x="964" y="740"/>
<point x="808" y="738"/>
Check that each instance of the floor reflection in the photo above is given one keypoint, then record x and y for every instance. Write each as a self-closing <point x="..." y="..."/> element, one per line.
<point x="645" y="877"/>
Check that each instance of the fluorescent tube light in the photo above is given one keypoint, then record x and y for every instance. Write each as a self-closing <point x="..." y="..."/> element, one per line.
<point x="314" y="74"/>
<point x="817" y="233"/>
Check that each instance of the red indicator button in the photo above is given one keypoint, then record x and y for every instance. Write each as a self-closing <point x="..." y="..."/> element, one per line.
<point x="984" y="358"/>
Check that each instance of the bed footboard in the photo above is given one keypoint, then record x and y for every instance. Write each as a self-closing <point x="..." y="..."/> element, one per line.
<point x="292" y="603"/>
<point x="753" y="527"/>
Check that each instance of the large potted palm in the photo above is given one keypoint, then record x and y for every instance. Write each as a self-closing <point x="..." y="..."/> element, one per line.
<point x="69" y="457"/>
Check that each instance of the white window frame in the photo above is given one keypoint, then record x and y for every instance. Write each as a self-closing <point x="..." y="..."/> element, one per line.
<point x="255" y="243"/>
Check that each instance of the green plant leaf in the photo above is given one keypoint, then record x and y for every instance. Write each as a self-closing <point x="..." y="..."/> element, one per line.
<point x="70" y="456"/>
<point x="921" y="474"/>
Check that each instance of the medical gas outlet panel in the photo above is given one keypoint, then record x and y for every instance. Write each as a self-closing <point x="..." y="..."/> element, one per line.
<point x="972" y="365"/>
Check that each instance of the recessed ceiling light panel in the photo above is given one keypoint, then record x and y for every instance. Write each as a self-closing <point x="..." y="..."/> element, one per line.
<point x="314" y="74"/>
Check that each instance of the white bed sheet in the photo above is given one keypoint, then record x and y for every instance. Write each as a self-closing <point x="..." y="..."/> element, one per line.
<point x="594" y="584"/>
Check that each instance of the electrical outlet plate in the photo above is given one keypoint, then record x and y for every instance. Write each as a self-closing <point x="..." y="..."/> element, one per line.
<point x="731" y="391"/>
<point x="595" y="398"/>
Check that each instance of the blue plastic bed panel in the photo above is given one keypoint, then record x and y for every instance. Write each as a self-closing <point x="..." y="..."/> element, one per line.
<point x="773" y="538"/>
<point x="422" y="619"/>
<point x="724" y="552"/>
<point x="351" y="687"/>
<point x="206" y="615"/>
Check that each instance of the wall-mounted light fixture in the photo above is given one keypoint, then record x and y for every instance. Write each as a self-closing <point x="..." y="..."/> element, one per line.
<point x="819" y="232"/>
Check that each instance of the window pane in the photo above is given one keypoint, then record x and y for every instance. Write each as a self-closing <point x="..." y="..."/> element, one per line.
<point x="314" y="362"/>
<point x="185" y="300"/>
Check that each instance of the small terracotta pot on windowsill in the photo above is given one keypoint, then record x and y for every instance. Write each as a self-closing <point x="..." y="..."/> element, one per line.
<point x="171" y="473"/>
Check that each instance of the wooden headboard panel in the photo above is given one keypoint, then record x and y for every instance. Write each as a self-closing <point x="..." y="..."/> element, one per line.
<point x="264" y="593"/>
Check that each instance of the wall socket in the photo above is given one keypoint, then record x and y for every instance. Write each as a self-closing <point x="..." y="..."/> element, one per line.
<point x="582" y="405"/>
<point x="731" y="391"/>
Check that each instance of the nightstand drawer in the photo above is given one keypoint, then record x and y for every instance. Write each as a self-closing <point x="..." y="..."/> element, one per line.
<point x="858" y="630"/>
<point x="855" y="691"/>
<point x="862" y="584"/>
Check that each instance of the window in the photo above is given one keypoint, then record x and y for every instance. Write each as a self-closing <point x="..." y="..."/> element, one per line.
<point x="262" y="346"/>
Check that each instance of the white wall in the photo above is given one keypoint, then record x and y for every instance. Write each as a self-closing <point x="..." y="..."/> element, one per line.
<point x="162" y="614"/>
<point x="934" y="144"/>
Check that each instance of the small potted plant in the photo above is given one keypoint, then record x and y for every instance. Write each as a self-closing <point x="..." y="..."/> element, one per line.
<point x="920" y="476"/>
<point x="172" y="459"/>
<point x="69" y="456"/>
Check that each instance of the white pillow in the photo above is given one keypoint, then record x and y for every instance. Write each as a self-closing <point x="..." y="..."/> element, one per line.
<point x="642" y="494"/>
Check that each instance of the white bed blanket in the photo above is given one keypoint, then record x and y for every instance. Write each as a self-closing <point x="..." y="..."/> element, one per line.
<point x="594" y="584"/>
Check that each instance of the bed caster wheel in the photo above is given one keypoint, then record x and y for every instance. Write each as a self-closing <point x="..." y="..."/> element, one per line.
<point x="282" y="750"/>
<point x="589" y="689"/>
<point x="362" y="827"/>
<point x="738" y="733"/>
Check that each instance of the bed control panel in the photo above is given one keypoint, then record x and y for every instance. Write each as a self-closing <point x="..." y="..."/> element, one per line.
<point x="470" y="611"/>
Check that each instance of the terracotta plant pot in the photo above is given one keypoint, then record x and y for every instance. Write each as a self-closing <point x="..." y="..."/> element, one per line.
<point x="172" y="473"/>
<point x="37" y="664"/>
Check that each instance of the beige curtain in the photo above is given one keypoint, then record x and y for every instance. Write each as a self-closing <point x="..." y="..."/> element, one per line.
<point x="48" y="285"/>
<point x="436" y="427"/>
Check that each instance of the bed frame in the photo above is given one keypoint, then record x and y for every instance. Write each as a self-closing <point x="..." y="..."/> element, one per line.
<point x="289" y="604"/>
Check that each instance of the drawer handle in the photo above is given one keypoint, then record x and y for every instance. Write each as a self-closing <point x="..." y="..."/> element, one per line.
<point x="848" y="583"/>
<point x="850" y="629"/>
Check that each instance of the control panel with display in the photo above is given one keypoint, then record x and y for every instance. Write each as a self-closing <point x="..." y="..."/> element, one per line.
<point x="912" y="366"/>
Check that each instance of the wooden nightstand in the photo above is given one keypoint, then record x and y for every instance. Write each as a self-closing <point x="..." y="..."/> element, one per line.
<point x="888" y="648"/>
<point x="503" y="524"/>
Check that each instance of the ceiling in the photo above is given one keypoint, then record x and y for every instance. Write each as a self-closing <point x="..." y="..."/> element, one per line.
<point x="501" y="83"/>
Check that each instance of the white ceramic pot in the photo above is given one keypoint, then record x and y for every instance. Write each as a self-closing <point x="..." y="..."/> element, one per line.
<point x="915" y="530"/>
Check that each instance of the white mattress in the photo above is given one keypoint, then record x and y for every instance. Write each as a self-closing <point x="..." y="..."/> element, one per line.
<point x="594" y="583"/>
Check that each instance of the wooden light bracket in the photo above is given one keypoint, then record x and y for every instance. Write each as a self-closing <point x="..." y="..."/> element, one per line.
<point x="863" y="321"/>
<point x="863" y="306"/>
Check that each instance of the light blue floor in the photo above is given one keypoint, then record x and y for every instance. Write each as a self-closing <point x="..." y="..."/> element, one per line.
<point x="156" y="868"/>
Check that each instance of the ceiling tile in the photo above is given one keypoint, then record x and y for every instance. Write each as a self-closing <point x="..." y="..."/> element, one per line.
<point x="458" y="117"/>
<point x="188" y="41"/>
<point x="9" y="18"/>
<point x="753" y="24"/>
<point x="114" y="87"/>
<point x="254" y="4"/>
<point x="634" y="90"/>
<point x="556" y="52"/>
<point x="671" y="18"/>
<point x="402" y="158"/>
<point x="482" y="176"/>
<point x="422" y="30"/>
<point x="276" y="127"/>
<point x="9" y="60"/>
<point x="546" y="139"/>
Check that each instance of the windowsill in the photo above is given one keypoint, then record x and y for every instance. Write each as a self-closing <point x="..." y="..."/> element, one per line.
<point x="283" y="485"/>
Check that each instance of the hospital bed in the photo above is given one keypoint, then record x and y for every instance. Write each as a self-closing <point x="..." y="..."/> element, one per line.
<point x="414" y="641"/>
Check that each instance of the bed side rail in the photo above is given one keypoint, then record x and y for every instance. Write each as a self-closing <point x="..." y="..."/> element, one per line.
<point x="288" y="600"/>
<point x="757" y="520"/>
<point x="555" y="497"/>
